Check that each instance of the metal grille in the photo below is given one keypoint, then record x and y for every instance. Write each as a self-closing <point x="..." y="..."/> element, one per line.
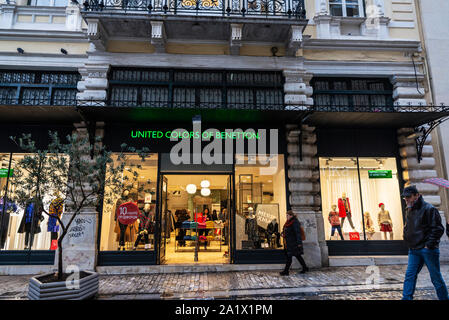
<point x="350" y="94"/>
<point x="232" y="8"/>
<point x="196" y="89"/>
<point x="38" y="88"/>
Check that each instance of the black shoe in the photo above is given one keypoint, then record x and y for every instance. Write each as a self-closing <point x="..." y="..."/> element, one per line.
<point x="284" y="273"/>
<point x="304" y="270"/>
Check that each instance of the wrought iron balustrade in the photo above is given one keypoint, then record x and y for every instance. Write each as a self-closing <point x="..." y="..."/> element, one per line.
<point x="253" y="8"/>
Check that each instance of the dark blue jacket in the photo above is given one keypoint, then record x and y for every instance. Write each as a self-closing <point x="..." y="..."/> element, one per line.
<point x="293" y="239"/>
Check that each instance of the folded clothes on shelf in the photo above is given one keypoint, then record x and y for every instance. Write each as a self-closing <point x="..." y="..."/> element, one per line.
<point x="210" y="238"/>
<point x="210" y="224"/>
<point x="201" y="225"/>
<point x="186" y="224"/>
<point x="202" y="238"/>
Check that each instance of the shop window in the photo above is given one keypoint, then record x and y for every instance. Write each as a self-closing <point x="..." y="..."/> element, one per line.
<point x="25" y="227"/>
<point x="361" y="198"/>
<point x="38" y="88"/>
<point x="348" y="93"/>
<point x="346" y="8"/>
<point x="141" y="190"/>
<point x="48" y="3"/>
<point x="260" y="204"/>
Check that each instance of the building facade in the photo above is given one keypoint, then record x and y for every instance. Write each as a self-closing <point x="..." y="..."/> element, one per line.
<point x="332" y="90"/>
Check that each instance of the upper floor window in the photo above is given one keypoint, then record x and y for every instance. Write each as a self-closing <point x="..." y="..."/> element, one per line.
<point x="38" y="87"/>
<point x="346" y="8"/>
<point x="48" y="3"/>
<point x="352" y="93"/>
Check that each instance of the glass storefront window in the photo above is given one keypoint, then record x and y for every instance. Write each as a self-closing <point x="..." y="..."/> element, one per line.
<point x="26" y="227"/>
<point x="140" y="190"/>
<point x="361" y="198"/>
<point x="261" y="202"/>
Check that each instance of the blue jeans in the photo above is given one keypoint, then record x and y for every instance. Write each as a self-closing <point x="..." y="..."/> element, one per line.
<point x="416" y="260"/>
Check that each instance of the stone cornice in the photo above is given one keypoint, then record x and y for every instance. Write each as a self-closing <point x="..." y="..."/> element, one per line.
<point x="40" y="35"/>
<point x="361" y="43"/>
<point x="42" y="61"/>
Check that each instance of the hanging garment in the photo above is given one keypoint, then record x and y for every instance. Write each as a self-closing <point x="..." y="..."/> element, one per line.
<point x="344" y="206"/>
<point x="251" y="229"/>
<point x="55" y="210"/>
<point x="8" y="207"/>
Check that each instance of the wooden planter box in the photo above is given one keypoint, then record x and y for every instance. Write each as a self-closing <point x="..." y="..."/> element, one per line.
<point x="88" y="287"/>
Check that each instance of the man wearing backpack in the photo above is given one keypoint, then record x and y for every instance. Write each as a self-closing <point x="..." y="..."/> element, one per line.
<point x="422" y="233"/>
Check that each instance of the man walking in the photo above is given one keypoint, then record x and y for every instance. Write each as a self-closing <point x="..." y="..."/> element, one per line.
<point x="422" y="233"/>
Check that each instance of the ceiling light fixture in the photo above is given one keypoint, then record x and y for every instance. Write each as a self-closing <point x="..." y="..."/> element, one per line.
<point x="191" y="188"/>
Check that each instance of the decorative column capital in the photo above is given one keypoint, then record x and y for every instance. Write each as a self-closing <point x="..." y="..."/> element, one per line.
<point x="236" y="38"/>
<point x="158" y="36"/>
<point x="96" y="33"/>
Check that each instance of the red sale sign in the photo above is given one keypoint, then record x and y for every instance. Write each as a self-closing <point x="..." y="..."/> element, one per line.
<point x="354" y="236"/>
<point x="128" y="213"/>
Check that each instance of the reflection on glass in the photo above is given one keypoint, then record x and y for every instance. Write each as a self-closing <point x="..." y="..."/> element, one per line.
<point x="138" y="235"/>
<point x="381" y="197"/>
<point x="261" y="203"/>
<point x="379" y="200"/>
<point x="341" y="199"/>
<point x="29" y="226"/>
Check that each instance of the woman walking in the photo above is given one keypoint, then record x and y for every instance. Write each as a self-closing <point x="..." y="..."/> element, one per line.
<point x="293" y="243"/>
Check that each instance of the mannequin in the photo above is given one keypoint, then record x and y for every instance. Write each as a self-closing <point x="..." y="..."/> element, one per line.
<point x="122" y="229"/>
<point x="385" y="222"/>
<point x="145" y="226"/>
<point x="369" y="226"/>
<point x="251" y="226"/>
<point x="55" y="209"/>
<point x="344" y="210"/>
<point x="31" y="219"/>
<point x="334" y="220"/>
<point x="9" y="207"/>
<point x="273" y="228"/>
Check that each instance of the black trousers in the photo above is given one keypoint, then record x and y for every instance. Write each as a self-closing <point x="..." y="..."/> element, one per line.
<point x="290" y="260"/>
<point x="139" y="237"/>
<point x="122" y="233"/>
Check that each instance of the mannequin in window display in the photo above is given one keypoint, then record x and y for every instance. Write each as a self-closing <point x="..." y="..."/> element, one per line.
<point x="369" y="225"/>
<point x="55" y="210"/>
<point x="223" y="216"/>
<point x="334" y="220"/>
<point x="251" y="227"/>
<point x="145" y="226"/>
<point x="273" y="229"/>
<point x="31" y="220"/>
<point x="9" y="207"/>
<point x="385" y="222"/>
<point x="123" y="231"/>
<point x="344" y="210"/>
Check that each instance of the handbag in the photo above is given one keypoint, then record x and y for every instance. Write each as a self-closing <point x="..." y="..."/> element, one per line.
<point x="303" y="234"/>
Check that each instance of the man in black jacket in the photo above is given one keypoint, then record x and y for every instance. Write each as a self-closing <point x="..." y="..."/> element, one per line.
<point x="422" y="233"/>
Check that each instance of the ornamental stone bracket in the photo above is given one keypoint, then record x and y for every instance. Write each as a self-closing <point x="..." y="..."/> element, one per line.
<point x="97" y="34"/>
<point x="93" y="84"/>
<point x="158" y="36"/>
<point x="298" y="92"/>
<point x="236" y="38"/>
<point x="294" y="40"/>
<point x="304" y="187"/>
<point x="408" y="90"/>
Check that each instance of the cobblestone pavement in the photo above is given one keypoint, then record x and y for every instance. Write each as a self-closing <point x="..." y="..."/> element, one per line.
<point x="325" y="283"/>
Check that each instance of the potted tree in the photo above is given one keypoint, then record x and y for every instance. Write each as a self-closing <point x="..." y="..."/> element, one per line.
<point x="79" y="170"/>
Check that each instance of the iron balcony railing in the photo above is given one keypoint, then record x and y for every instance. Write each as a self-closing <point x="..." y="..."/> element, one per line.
<point x="6" y="101"/>
<point x="232" y="8"/>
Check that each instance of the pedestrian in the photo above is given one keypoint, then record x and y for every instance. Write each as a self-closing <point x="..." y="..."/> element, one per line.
<point x="422" y="232"/>
<point x="291" y="234"/>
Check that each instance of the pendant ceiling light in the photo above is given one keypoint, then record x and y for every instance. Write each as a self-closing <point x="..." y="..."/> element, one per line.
<point x="191" y="188"/>
<point x="205" y="192"/>
<point x="205" y="184"/>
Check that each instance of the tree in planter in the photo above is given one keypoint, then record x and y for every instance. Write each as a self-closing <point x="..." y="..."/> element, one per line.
<point x="82" y="172"/>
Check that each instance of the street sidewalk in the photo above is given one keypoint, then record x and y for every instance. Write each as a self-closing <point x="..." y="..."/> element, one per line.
<point x="244" y="284"/>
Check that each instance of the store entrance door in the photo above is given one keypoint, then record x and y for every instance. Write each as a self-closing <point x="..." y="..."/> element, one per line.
<point x="162" y="219"/>
<point x="196" y="219"/>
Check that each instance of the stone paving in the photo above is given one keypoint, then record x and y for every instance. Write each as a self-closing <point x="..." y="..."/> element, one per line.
<point x="325" y="283"/>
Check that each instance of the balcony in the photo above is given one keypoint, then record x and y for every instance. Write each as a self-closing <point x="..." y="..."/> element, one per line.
<point x="233" y="22"/>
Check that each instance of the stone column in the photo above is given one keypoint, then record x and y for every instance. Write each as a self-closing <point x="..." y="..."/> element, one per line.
<point x="304" y="189"/>
<point x="80" y="243"/>
<point x="93" y="85"/>
<point x="414" y="173"/>
<point x="405" y="91"/>
<point x="298" y="91"/>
